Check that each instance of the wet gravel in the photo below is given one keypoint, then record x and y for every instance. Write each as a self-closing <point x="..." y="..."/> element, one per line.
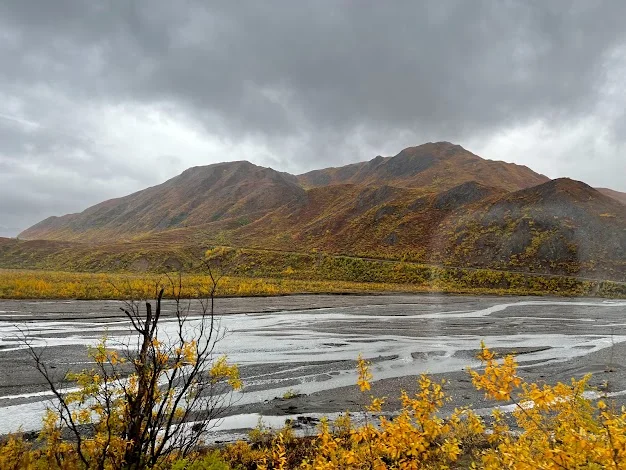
<point x="308" y="344"/>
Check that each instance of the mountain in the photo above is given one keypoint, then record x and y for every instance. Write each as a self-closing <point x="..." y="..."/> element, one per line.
<point x="561" y="226"/>
<point x="434" y="166"/>
<point x="237" y="191"/>
<point x="618" y="196"/>
<point x="436" y="203"/>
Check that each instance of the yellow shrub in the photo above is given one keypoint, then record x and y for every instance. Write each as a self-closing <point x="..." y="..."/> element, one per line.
<point x="551" y="427"/>
<point x="556" y="427"/>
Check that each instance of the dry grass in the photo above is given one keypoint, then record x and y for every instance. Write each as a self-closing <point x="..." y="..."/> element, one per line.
<point x="31" y="284"/>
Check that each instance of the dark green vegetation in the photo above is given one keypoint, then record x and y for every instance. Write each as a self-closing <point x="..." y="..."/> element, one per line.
<point x="435" y="207"/>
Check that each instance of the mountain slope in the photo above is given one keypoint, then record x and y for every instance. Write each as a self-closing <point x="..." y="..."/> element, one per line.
<point x="435" y="166"/>
<point x="236" y="190"/>
<point x="366" y="220"/>
<point x="237" y="193"/>
<point x="559" y="227"/>
<point x="618" y="196"/>
<point x="562" y="226"/>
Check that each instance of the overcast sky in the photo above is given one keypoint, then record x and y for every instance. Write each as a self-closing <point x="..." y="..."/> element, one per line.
<point x="102" y="98"/>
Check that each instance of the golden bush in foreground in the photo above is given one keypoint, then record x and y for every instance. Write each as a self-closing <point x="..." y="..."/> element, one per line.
<point x="551" y="427"/>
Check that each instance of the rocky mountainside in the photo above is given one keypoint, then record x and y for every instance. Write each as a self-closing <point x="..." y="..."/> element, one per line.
<point x="561" y="226"/>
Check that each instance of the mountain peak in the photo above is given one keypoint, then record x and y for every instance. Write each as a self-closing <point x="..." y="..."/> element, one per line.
<point x="441" y="149"/>
<point x="434" y="166"/>
<point x="231" y="191"/>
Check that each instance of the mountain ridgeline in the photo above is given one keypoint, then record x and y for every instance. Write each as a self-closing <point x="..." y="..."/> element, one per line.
<point x="435" y="203"/>
<point x="200" y="195"/>
<point x="432" y="166"/>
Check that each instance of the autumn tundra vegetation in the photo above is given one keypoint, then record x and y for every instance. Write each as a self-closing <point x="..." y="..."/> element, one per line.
<point x="152" y="405"/>
<point x="264" y="272"/>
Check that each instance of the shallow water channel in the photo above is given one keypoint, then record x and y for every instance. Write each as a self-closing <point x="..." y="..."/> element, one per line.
<point x="309" y="343"/>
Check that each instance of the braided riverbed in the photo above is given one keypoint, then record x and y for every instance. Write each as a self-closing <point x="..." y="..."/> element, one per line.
<point x="307" y="344"/>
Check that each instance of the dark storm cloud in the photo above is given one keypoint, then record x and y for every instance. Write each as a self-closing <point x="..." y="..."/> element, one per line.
<point x="315" y="83"/>
<point x="270" y="67"/>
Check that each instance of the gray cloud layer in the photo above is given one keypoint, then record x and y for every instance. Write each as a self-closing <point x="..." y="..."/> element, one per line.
<point x="98" y="99"/>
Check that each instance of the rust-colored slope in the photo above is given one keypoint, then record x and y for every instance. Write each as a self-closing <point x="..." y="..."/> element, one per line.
<point x="356" y="219"/>
<point x="197" y="196"/>
<point x="617" y="195"/>
<point x="563" y="226"/>
<point x="435" y="166"/>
